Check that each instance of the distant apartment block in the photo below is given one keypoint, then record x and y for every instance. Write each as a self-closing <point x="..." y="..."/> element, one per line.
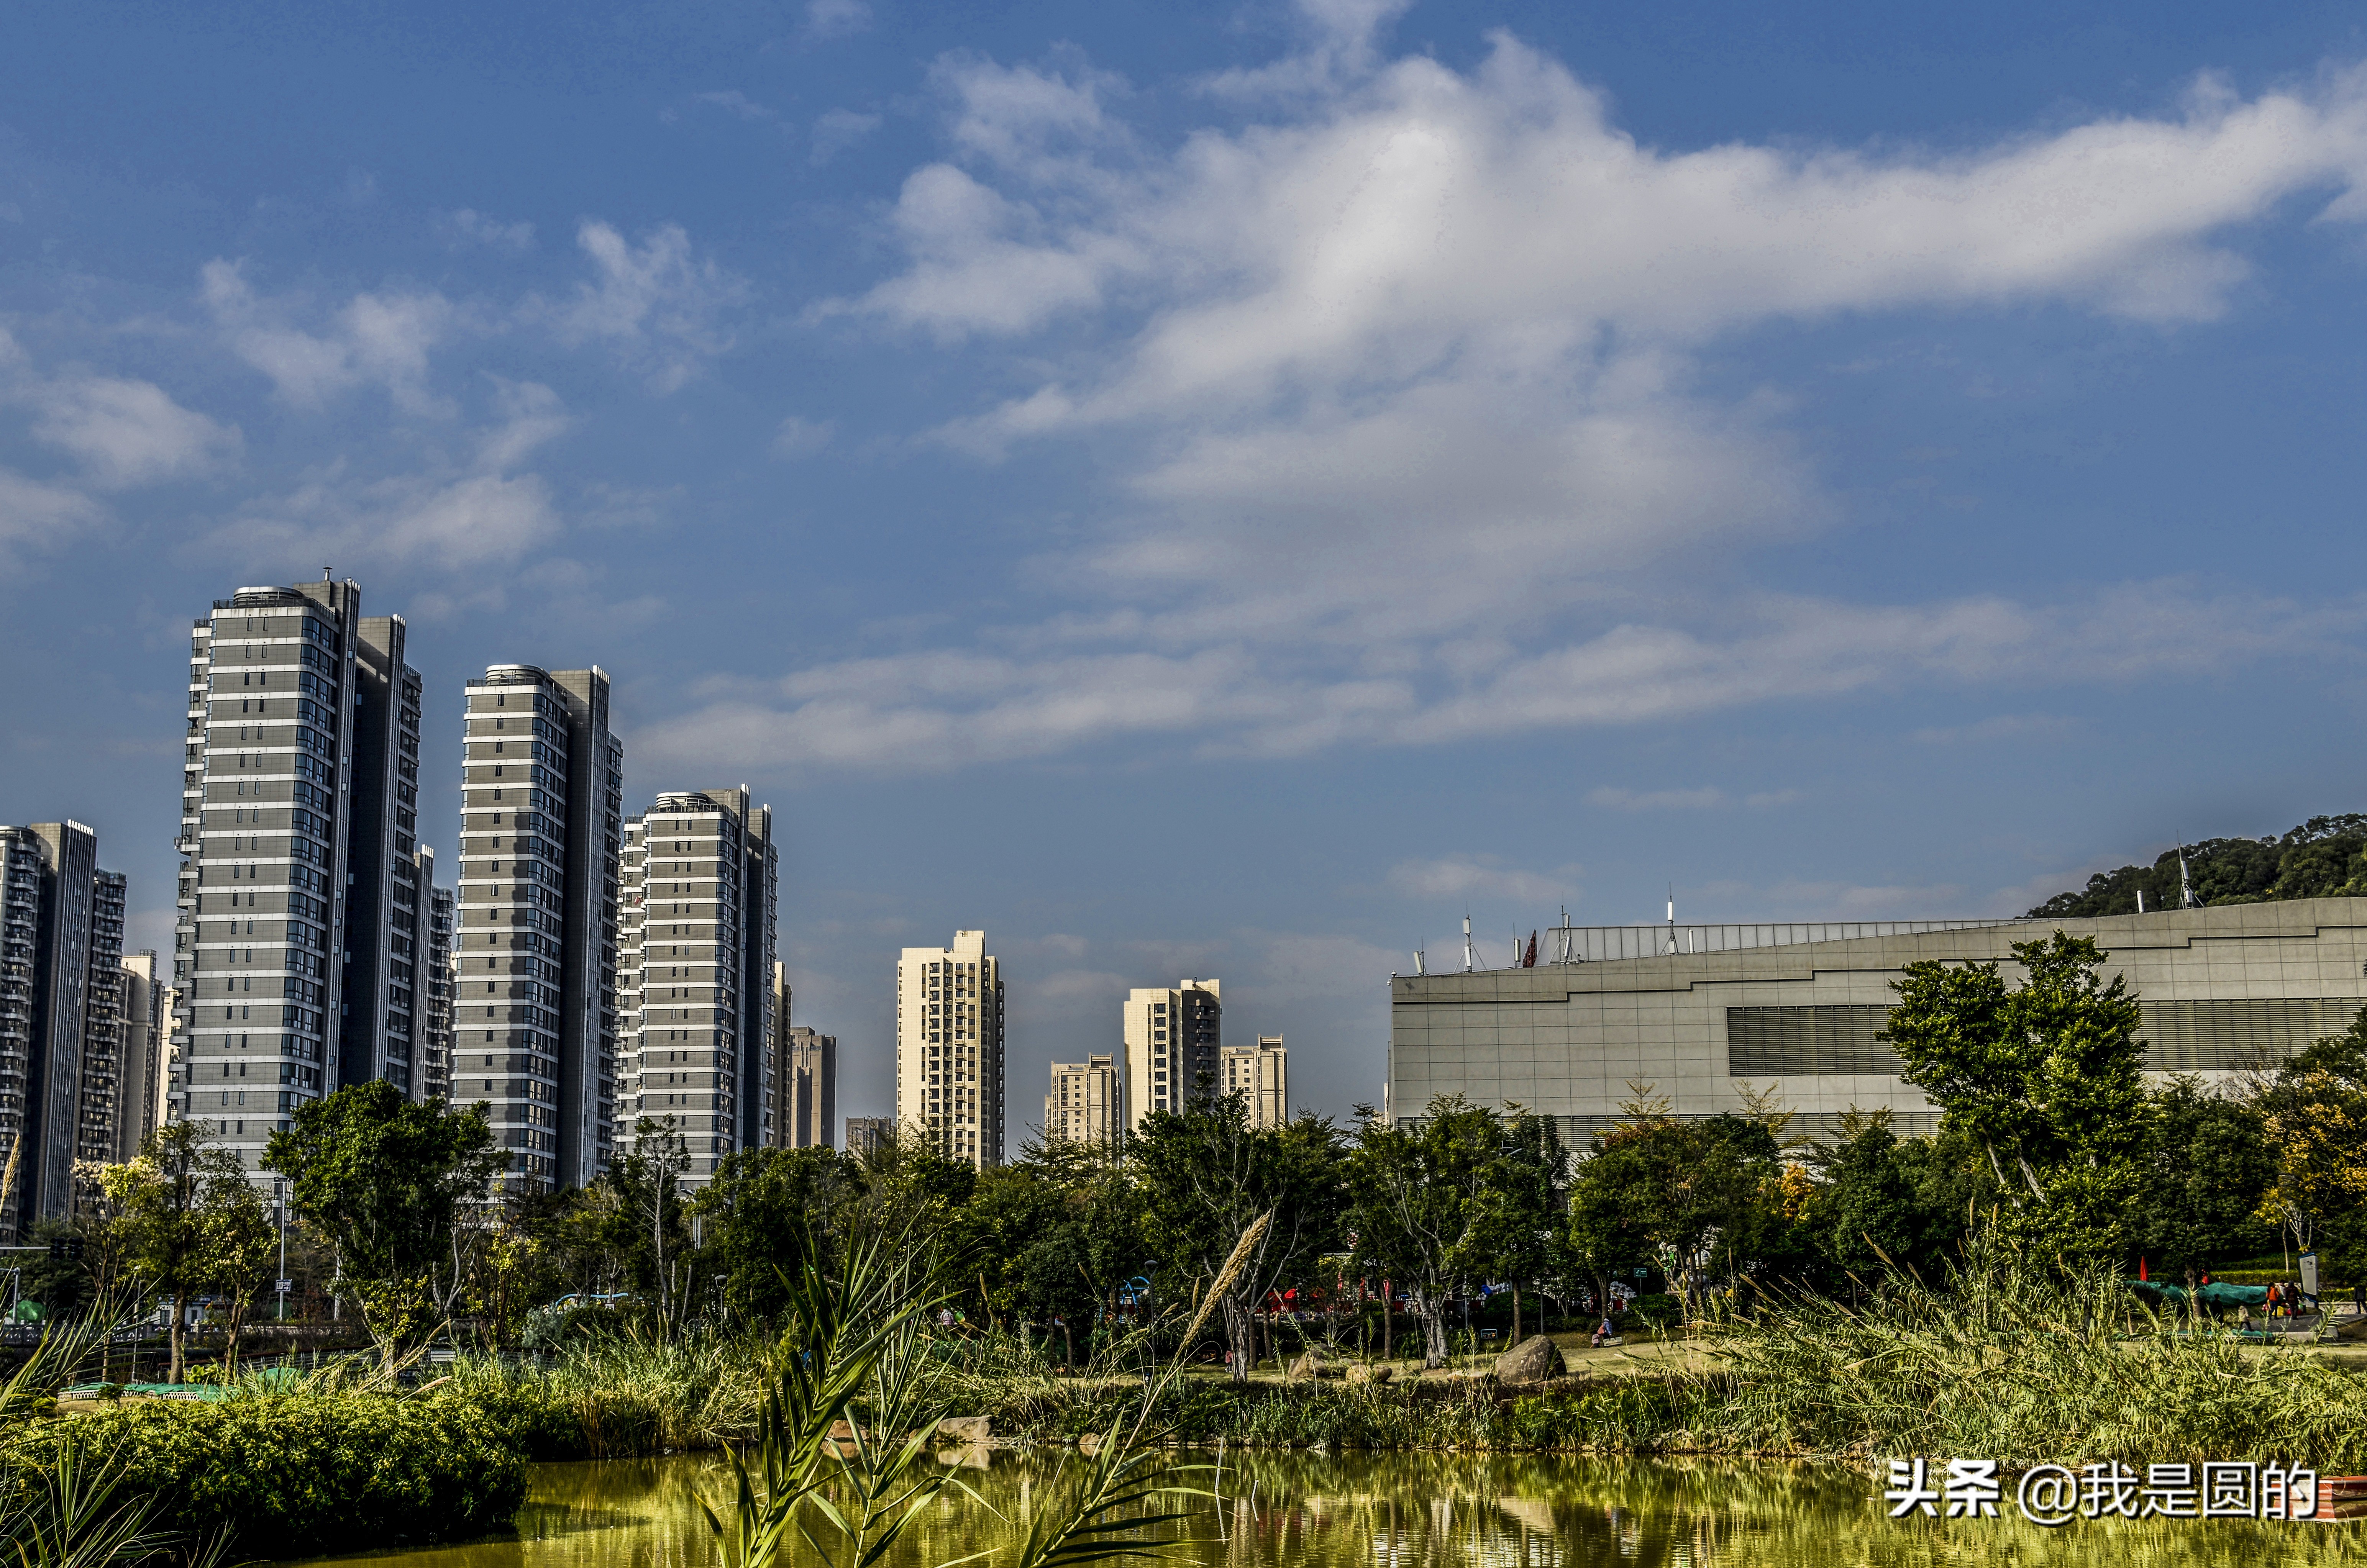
<point x="60" y="1017"/>
<point x="146" y="1065"/>
<point x="1087" y="1101"/>
<point x="535" y="954"/>
<point x="869" y="1135"/>
<point x="436" y="992"/>
<point x="694" y="972"/>
<point x="949" y="1049"/>
<point x="1172" y="1037"/>
<point x="812" y="1073"/>
<point x="1259" y="1074"/>
<point x="295" y="950"/>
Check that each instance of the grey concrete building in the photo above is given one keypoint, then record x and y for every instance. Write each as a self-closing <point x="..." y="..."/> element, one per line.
<point x="809" y="1071"/>
<point x="60" y="1014"/>
<point x="868" y="1134"/>
<point x="300" y="896"/>
<point x="534" y="1016"/>
<point x="1795" y="1008"/>
<point x="694" y="973"/>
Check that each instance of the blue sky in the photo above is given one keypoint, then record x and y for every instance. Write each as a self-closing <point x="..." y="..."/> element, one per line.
<point x="1221" y="492"/>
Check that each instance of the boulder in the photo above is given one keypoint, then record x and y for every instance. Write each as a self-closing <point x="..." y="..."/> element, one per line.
<point x="1365" y="1371"/>
<point x="965" y="1428"/>
<point x="1307" y="1368"/>
<point x="1534" y="1359"/>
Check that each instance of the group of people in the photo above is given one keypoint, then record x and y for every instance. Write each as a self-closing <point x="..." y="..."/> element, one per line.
<point x="2285" y="1301"/>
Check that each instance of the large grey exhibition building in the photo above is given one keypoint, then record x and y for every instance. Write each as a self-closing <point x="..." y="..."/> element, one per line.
<point x="1698" y="1012"/>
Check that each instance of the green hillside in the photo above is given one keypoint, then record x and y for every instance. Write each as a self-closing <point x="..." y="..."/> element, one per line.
<point x="2325" y="857"/>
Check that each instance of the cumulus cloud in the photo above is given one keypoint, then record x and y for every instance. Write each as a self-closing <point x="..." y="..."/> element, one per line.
<point x="1400" y="382"/>
<point x="37" y="518"/>
<point x="800" y="437"/>
<point x="128" y="432"/>
<point x="464" y="227"/>
<point x="837" y="19"/>
<point x="659" y="303"/>
<point x="836" y="131"/>
<point x="1465" y="877"/>
<point x="382" y="339"/>
<point x="451" y="517"/>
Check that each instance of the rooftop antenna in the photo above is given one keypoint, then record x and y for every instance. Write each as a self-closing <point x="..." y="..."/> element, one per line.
<point x="2185" y="887"/>
<point x="1672" y="917"/>
<point x="1418" y="967"/>
<point x="2140" y="900"/>
<point x="325" y="573"/>
<point x="1470" y="954"/>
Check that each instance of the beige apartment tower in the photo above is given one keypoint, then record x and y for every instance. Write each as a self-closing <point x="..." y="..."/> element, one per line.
<point x="1087" y="1103"/>
<point x="1173" y="1039"/>
<point x="949" y="1049"/>
<point x="1259" y="1074"/>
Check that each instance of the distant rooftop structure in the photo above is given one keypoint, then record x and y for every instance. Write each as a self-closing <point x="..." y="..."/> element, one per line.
<point x="1595" y="944"/>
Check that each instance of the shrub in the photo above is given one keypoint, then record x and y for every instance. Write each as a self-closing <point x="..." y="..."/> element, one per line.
<point x="289" y="1473"/>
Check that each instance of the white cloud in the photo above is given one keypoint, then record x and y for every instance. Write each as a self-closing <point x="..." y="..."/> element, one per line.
<point x="36" y="517"/>
<point x="739" y="105"/>
<point x="466" y="227"/>
<point x="1401" y="384"/>
<point x="837" y="19"/>
<point x="1465" y="877"/>
<point x="383" y="339"/>
<point x="128" y="433"/>
<point x="454" y="516"/>
<point x="660" y="304"/>
<point x="1618" y="799"/>
<point x="800" y="437"/>
<point x="2002" y="727"/>
<point x="836" y="131"/>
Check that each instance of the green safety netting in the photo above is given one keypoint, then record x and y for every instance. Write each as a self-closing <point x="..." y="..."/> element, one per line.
<point x="2212" y="1294"/>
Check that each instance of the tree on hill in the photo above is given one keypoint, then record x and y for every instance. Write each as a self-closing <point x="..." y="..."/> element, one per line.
<point x="2325" y="857"/>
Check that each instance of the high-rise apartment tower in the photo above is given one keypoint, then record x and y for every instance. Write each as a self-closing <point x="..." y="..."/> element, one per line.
<point x="141" y="1078"/>
<point x="534" y="1017"/>
<point x="949" y="1049"/>
<point x="809" y="1066"/>
<point x="294" y="952"/>
<point x="60" y="1014"/>
<point x="435" y="989"/>
<point x="1173" y="1038"/>
<point x="1087" y="1103"/>
<point x="694" y="973"/>
<point x="1259" y="1074"/>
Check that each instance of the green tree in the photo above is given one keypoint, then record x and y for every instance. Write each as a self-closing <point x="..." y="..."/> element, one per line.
<point x="242" y="1245"/>
<point x="159" y="1199"/>
<point x="2314" y="1114"/>
<point x="765" y="1214"/>
<point x="2207" y="1172"/>
<point x="1204" y="1174"/>
<point x="398" y="1189"/>
<point x="2046" y="1080"/>
<point x="1434" y="1205"/>
<point x="646" y="1221"/>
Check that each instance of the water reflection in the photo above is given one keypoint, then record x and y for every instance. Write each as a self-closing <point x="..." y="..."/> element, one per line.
<point x="1398" y="1511"/>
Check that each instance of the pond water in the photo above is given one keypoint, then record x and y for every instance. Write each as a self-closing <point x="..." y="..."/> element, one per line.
<point x="1398" y="1511"/>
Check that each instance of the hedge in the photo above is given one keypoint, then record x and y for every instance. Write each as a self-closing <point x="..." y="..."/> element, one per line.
<point x="284" y="1474"/>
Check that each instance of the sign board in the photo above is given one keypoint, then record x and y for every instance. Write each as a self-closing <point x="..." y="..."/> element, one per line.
<point x="286" y="1286"/>
<point x="2309" y="1275"/>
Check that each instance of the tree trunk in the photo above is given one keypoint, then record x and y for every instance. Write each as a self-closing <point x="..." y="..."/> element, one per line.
<point x="180" y="1312"/>
<point x="1385" y="1320"/>
<point x="1241" y="1337"/>
<point x="1516" y="1316"/>
<point x="1431" y="1309"/>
